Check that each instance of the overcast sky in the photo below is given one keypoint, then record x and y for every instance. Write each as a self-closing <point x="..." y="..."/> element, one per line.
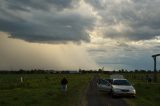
<point x="73" y="34"/>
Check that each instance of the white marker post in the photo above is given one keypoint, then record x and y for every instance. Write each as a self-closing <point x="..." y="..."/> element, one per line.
<point x="21" y="79"/>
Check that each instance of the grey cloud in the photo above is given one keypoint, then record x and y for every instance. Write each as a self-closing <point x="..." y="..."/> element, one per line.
<point x="158" y="47"/>
<point x="140" y="18"/>
<point x="97" y="4"/>
<point x="39" y="26"/>
<point x="60" y="29"/>
<point x="26" y="5"/>
<point x="132" y="60"/>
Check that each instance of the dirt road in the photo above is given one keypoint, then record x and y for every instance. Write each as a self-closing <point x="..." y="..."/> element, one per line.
<point x="97" y="98"/>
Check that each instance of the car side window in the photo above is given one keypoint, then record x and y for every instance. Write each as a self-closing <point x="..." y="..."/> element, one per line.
<point x="103" y="82"/>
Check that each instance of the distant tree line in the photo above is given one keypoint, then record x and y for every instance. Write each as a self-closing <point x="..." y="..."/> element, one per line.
<point x="22" y="71"/>
<point x="116" y="71"/>
<point x="40" y="71"/>
<point x="36" y="71"/>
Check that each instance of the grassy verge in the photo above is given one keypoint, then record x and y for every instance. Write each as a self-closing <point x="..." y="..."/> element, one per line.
<point x="42" y="90"/>
<point x="147" y="95"/>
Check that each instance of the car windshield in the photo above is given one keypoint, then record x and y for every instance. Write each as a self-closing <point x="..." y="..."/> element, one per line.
<point x="121" y="82"/>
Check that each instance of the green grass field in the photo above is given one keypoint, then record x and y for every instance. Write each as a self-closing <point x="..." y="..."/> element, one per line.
<point x="42" y="90"/>
<point x="45" y="90"/>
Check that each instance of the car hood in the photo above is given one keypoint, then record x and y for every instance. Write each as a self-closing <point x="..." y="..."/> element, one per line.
<point x="122" y="87"/>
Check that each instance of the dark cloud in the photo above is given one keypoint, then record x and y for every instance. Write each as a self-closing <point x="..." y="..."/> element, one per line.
<point x="22" y="19"/>
<point x="61" y="21"/>
<point x="27" y="5"/>
<point x="66" y="28"/>
<point x="140" y="18"/>
<point x="97" y="4"/>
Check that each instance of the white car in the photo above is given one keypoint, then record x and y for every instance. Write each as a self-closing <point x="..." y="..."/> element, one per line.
<point x="116" y="86"/>
<point x="122" y="87"/>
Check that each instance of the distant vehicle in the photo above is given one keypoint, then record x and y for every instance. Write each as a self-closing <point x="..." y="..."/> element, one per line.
<point x="117" y="85"/>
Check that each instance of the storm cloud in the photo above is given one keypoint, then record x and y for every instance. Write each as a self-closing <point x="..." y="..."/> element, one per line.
<point x="45" y="21"/>
<point x="53" y="21"/>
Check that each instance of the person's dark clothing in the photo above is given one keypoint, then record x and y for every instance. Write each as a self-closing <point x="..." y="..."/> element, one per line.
<point x="64" y="81"/>
<point x="148" y="78"/>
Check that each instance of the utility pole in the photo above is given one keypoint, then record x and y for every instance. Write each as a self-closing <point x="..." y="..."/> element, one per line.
<point x="155" y="68"/>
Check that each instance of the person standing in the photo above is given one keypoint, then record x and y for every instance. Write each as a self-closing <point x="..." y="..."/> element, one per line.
<point x="64" y="83"/>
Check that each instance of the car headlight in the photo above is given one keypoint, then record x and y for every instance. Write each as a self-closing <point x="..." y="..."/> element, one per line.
<point x="133" y="90"/>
